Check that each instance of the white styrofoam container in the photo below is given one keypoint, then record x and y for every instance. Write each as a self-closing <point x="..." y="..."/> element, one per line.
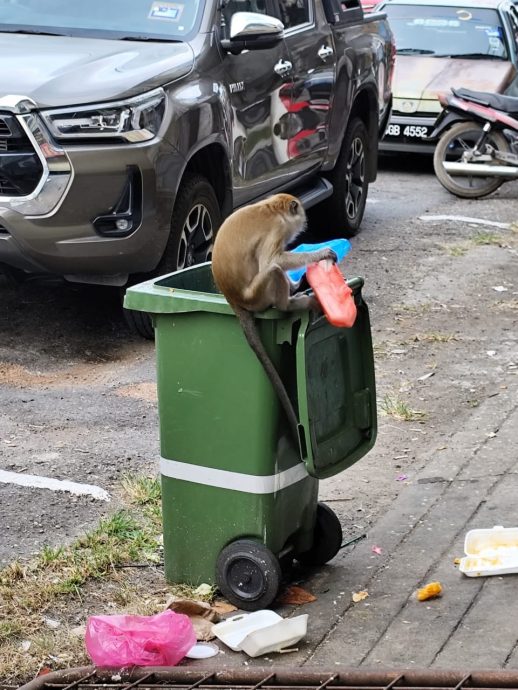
<point x="260" y="632"/>
<point x="490" y="552"/>
<point x="276" y="637"/>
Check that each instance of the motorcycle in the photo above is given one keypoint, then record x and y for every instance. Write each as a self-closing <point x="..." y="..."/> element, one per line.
<point x="477" y="148"/>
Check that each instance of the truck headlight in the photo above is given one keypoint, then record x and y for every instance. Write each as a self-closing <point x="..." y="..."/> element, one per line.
<point x="133" y="120"/>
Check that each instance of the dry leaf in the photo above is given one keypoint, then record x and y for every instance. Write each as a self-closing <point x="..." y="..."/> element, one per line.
<point x="360" y="596"/>
<point x="456" y="561"/>
<point x="223" y="607"/>
<point x="295" y="595"/>
<point x="201" y="614"/>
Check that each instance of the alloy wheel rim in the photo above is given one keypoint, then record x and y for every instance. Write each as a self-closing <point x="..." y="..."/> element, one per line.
<point x="196" y="238"/>
<point x="354" y="178"/>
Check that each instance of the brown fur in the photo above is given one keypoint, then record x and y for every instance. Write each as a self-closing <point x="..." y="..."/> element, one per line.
<point x="249" y="261"/>
<point x="249" y="257"/>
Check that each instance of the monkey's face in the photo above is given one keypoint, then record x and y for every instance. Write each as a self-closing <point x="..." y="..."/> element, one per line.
<point x="295" y="218"/>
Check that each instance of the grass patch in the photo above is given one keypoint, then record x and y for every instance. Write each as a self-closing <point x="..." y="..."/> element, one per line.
<point x="480" y="238"/>
<point x="508" y="305"/>
<point x="455" y="249"/>
<point x="435" y="337"/>
<point x="57" y="577"/>
<point x="487" y="238"/>
<point x="422" y="308"/>
<point x="395" y="407"/>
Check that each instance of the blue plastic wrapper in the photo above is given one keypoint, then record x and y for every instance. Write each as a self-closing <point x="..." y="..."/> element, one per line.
<point x="340" y="246"/>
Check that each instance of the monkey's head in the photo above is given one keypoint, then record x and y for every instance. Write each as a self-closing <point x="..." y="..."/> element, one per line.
<point x="290" y="208"/>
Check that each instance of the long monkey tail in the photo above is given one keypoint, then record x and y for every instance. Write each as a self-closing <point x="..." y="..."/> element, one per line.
<point x="249" y="327"/>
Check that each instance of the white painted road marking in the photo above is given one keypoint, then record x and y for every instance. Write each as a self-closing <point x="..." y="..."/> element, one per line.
<point x="36" y="482"/>
<point x="467" y="219"/>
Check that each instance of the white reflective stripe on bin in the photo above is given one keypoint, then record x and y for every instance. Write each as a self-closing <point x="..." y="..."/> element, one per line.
<point x="223" y="479"/>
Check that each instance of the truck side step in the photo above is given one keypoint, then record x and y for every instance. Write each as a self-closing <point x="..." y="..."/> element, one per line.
<point x="313" y="193"/>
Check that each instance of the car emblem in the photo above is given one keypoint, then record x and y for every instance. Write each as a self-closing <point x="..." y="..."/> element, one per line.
<point x="409" y="106"/>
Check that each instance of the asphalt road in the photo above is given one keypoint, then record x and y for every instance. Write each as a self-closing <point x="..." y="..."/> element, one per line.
<point x="77" y="391"/>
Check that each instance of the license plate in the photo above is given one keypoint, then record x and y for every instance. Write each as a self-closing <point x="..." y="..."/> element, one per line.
<point x="407" y="131"/>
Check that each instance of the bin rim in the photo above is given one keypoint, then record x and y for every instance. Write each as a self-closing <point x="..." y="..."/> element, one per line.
<point x="155" y="297"/>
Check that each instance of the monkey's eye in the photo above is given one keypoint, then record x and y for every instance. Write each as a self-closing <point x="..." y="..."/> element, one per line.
<point x="294" y="207"/>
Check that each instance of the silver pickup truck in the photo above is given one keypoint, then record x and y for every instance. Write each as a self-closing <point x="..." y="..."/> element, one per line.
<point x="129" y="130"/>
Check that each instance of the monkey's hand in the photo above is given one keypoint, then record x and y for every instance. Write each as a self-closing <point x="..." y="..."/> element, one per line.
<point x="327" y="254"/>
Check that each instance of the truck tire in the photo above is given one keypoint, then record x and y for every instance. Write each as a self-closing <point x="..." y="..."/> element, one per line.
<point x="343" y="211"/>
<point x="194" y="223"/>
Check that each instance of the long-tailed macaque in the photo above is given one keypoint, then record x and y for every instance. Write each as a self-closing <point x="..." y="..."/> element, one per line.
<point x="249" y="261"/>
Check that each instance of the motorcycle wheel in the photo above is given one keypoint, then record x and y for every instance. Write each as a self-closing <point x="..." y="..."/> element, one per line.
<point x="460" y="138"/>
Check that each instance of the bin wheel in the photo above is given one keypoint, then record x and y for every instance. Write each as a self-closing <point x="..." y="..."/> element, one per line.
<point x="327" y="538"/>
<point x="248" y="574"/>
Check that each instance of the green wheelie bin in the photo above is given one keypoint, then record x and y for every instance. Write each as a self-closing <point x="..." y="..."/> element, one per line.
<point x="239" y="495"/>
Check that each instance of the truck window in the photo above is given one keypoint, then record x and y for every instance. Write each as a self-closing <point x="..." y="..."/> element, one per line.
<point x="294" y="12"/>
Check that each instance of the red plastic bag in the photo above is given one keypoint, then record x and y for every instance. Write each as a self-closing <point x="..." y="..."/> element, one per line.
<point x="160" y="640"/>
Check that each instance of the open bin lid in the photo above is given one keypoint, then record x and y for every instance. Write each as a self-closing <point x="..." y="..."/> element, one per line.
<point x="336" y="390"/>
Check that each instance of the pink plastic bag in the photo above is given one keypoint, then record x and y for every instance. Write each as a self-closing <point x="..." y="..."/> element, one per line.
<point x="160" y="640"/>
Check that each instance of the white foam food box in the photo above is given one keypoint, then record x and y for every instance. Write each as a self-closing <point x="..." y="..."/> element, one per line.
<point x="490" y="552"/>
<point x="260" y="632"/>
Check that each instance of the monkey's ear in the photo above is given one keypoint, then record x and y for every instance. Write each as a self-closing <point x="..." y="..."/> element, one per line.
<point x="294" y="207"/>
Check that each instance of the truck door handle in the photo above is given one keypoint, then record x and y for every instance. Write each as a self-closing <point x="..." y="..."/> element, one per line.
<point x="283" y="68"/>
<point x="325" y="52"/>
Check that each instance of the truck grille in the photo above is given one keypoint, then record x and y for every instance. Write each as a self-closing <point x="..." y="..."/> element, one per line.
<point x="6" y="187"/>
<point x="4" y="128"/>
<point x="20" y="167"/>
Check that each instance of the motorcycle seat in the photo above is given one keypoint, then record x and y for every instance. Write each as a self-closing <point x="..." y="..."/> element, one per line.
<point x="506" y="104"/>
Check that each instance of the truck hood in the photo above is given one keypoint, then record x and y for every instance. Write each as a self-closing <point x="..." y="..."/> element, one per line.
<point x="57" y="71"/>
<point x="422" y="78"/>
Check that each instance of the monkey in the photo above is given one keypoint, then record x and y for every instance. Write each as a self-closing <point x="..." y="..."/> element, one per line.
<point x="249" y="260"/>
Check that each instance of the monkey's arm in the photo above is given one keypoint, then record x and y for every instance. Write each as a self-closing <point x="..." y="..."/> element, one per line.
<point x="289" y="260"/>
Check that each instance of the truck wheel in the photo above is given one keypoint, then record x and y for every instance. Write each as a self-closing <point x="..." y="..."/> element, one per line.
<point x="248" y="574"/>
<point x="453" y="144"/>
<point x="195" y="221"/>
<point x="327" y="538"/>
<point x="343" y="211"/>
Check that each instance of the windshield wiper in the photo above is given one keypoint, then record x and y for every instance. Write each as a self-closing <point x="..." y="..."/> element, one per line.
<point x="472" y="56"/>
<point x="37" y="32"/>
<point x="152" y="39"/>
<point x="414" y="51"/>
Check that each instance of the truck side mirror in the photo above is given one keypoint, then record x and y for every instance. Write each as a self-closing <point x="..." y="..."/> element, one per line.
<point x="252" y="31"/>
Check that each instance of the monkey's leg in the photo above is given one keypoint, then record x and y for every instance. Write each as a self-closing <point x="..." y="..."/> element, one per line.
<point x="280" y="287"/>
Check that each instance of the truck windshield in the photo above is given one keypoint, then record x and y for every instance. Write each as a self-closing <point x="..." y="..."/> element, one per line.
<point x="138" y="19"/>
<point x="447" y="31"/>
